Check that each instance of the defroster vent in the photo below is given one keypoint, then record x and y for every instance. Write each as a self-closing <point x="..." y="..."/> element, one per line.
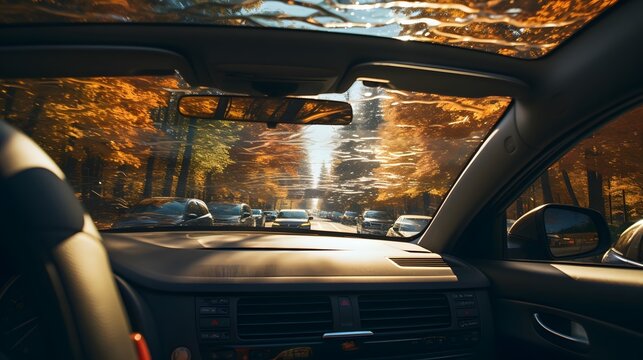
<point x="283" y="317"/>
<point x="404" y="312"/>
<point x="420" y="262"/>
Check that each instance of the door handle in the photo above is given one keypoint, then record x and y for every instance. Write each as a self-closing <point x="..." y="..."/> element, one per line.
<point x="578" y="334"/>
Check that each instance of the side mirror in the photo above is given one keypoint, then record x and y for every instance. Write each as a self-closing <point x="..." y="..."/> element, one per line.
<point x="555" y="231"/>
<point x="310" y="218"/>
<point x="190" y="216"/>
<point x="245" y="214"/>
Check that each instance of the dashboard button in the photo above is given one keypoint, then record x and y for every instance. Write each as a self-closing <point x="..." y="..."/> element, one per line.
<point x="465" y="303"/>
<point x="471" y="312"/>
<point x="214" y="322"/>
<point x="468" y="323"/>
<point x="212" y="310"/>
<point x="215" y="335"/>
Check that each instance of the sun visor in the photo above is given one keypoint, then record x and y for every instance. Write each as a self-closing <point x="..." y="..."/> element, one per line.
<point x="434" y="79"/>
<point x="90" y="61"/>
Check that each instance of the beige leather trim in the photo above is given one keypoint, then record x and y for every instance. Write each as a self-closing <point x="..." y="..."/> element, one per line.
<point x="90" y="228"/>
<point x="20" y="153"/>
<point x="93" y="297"/>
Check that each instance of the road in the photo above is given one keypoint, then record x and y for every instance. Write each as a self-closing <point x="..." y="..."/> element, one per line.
<point x="327" y="225"/>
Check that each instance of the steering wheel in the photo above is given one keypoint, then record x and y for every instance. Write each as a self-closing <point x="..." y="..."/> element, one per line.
<point x="54" y="245"/>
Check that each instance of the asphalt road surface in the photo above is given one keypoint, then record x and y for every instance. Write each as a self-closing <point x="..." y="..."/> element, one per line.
<point x="327" y="225"/>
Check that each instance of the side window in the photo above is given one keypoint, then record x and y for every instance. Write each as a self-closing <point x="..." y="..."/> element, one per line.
<point x="193" y="208"/>
<point x="203" y="209"/>
<point x="603" y="172"/>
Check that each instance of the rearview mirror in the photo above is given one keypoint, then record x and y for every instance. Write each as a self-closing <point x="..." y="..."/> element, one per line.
<point x="555" y="231"/>
<point x="266" y="109"/>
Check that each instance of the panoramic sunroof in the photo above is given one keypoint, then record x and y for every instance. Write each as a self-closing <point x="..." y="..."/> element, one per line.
<point x="519" y="28"/>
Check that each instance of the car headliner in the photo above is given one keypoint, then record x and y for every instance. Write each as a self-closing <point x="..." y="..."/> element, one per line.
<point x="557" y="98"/>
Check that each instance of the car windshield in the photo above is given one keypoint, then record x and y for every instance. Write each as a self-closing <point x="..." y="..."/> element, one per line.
<point x="121" y="140"/>
<point x="377" y="215"/>
<point x="350" y="213"/>
<point x="164" y="207"/>
<point x="518" y="28"/>
<point x="224" y="209"/>
<point x="256" y="212"/>
<point x="292" y="214"/>
<point x="413" y="225"/>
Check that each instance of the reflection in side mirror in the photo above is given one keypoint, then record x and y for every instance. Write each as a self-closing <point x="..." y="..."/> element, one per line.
<point x="555" y="231"/>
<point x="310" y="218"/>
<point x="245" y="214"/>
<point x="570" y="233"/>
<point x="266" y="109"/>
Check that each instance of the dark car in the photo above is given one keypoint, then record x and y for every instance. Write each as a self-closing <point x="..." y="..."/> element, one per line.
<point x="293" y="219"/>
<point x="260" y="217"/>
<point x="472" y="112"/>
<point x="271" y="215"/>
<point x="231" y="214"/>
<point x="336" y="216"/>
<point x="349" y="218"/>
<point x="374" y="222"/>
<point x="628" y="249"/>
<point x="166" y="211"/>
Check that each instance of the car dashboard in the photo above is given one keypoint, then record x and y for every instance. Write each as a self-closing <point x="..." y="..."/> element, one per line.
<point x="236" y="295"/>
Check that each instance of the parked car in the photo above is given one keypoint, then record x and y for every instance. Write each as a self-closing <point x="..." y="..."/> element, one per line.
<point x="260" y="217"/>
<point x="628" y="249"/>
<point x="231" y="214"/>
<point x="336" y="216"/>
<point x="292" y="218"/>
<point x="270" y="215"/>
<point x="349" y="218"/>
<point x="464" y="109"/>
<point x="374" y="222"/>
<point x="166" y="211"/>
<point x="408" y="225"/>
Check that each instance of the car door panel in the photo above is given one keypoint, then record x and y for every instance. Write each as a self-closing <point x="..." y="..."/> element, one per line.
<point x="604" y="302"/>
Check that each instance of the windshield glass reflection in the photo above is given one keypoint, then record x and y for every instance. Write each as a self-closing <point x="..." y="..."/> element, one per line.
<point x="126" y="149"/>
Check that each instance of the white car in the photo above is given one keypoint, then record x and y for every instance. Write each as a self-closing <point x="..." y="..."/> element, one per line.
<point x="408" y="225"/>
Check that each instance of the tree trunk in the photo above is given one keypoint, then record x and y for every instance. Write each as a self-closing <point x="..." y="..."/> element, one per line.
<point x="595" y="191"/>
<point x="546" y="188"/>
<point x="149" y="176"/>
<point x="570" y="189"/>
<point x="170" y="118"/>
<point x="519" y="207"/>
<point x="8" y="102"/>
<point x="208" y="187"/>
<point x="91" y="178"/>
<point x="34" y="114"/>
<point x="119" y="184"/>
<point x="426" y="200"/>
<point x="187" y="158"/>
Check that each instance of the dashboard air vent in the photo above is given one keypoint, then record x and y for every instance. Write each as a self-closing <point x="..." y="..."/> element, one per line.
<point x="404" y="312"/>
<point x="281" y="317"/>
<point x="420" y="262"/>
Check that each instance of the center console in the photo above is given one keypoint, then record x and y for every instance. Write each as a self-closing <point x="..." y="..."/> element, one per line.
<point x="376" y="325"/>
